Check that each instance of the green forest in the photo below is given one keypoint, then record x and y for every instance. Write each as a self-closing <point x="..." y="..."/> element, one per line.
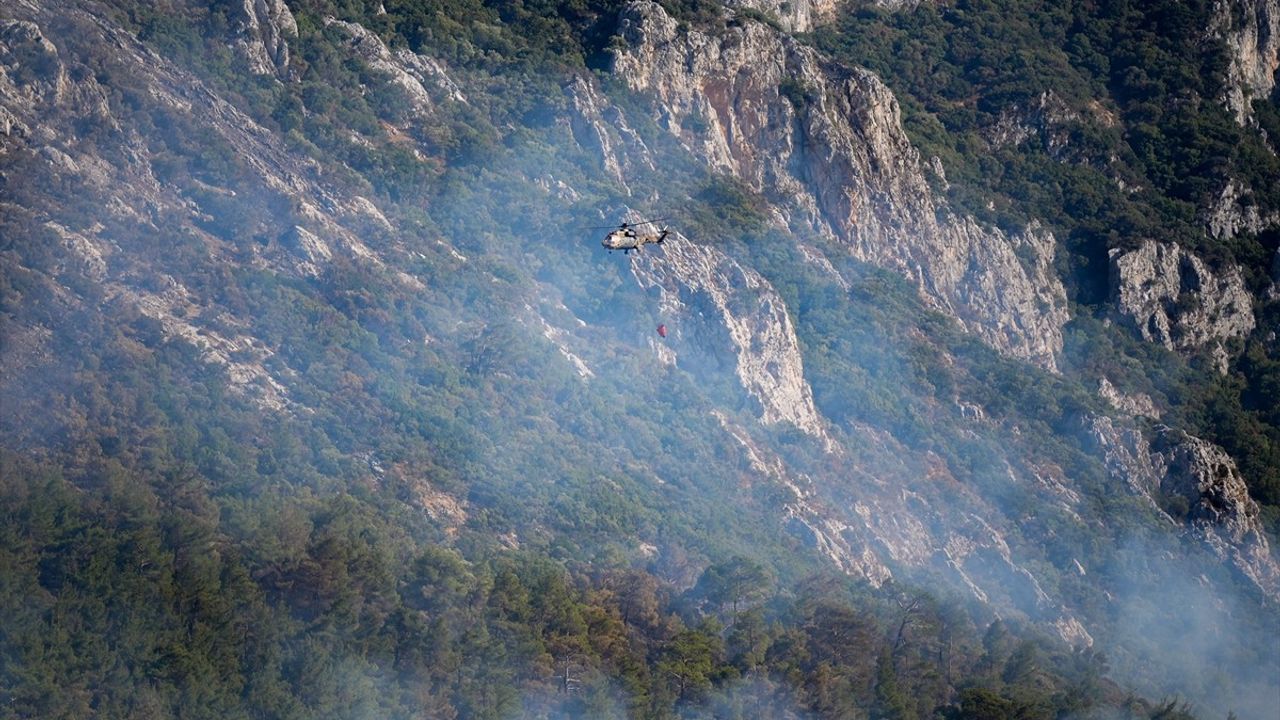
<point x="121" y="604"/>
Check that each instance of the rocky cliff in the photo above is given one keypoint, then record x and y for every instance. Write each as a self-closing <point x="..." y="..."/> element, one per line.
<point x="261" y="33"/>
<point x="885" y="512"/>
<point x="603" y="130"/>
<point x="798" y="16"/>
<point x="825" y="145"/>
<point x="409" y="73"/>
<point x="1218" y="505"/>
<point x="1251" y="29"/>
<point x="1233" y="213"/>
<point x="1170" y="296"/>
<point x="707" y="290"/>
<point x="1133" y="405"/>
<point x="1197" y="485"/>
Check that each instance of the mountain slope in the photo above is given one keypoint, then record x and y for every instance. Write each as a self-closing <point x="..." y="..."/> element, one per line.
<point x="301" y="284"/>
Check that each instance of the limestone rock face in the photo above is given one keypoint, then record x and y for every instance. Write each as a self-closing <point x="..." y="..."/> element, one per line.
<point x="896" y="5"/>
<point x="1171" y="297"/>
<point x="1251" y="29"/>
<point x="1047" y="119"/>
<point x="30" y="70"/>
<point x="793" y="15"/>
<point x="263" y="29"/>
<point x="1124" y="452"/>
<point x="695" y="280"/>
<point x="1220" y="508"/>
<point x="1231" y="214"/>
<point x="891" y="513"/>
<point x="49" y="94"/>
<point x="1217" y="504"/>
<point x="1139" y="404"/>
<point x="1207" y="477"/>
<point x="825" y="145"/>
<point x="601" y="128"/>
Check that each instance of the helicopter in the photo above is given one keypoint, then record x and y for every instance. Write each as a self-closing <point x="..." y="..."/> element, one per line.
<point x="625" y="238"/>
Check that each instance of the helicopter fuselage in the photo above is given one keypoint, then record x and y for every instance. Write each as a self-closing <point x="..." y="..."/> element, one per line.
<point x="628" y="239"/>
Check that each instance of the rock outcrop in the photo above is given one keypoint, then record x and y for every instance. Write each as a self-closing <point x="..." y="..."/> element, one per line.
<point x="1171" y="297"/>
<point x="30" y="70"/>
<point x="1123" y="451"/>
<point x="262" y="31"/>
<point x="1219" y="507"/>
<point x="409" y="73"/>
<point x="908" y="521"/>
<point x="1195" y="483"/>
<point x="49" y="95"/>
<point x="1135" y="405"/>
<point x="1251" y="30"/>
<point x="695" y="281"/>
<point x="792" y="15"/>
<point x="891" y="513"/>
<point x="825" y="145"/>
<point x="601" y="129"/>
<point x="1048" y="119"/>
<point x="896" y="5"/>
<point x="1233" y="214"/>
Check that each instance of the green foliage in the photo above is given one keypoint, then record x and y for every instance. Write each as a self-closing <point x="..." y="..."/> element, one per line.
<point x="140" y="595"/>
<point x="756" y="15"/>
<point x="735" y="583"/>
<point x="795" y="92"/>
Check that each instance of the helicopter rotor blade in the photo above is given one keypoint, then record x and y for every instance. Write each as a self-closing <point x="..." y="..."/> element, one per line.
<point x="623" y="225"/>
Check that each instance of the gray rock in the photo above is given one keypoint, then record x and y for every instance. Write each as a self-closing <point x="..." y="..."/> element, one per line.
<point x="897" y="5"/>
<point x="1216" y="503"/>
<point x="825" y="145"/>
<point x="10" y="124"/>
<point x="1170" y="296"/>
<point x="1230" y="216"/>
<point x="1251" y="30"/>
<point x="31" y="73"/>
<point x="761" y="343"/>
<point x="262" y="30"/>
<point x="411" y="74"/>
<point x="1136" y="404"/>
<point x="602" y="129"/>
<point x="48" y="93"/>
<point x="792" y="15"/>
<point x="1048" y="117"/>
<point x="1124" y="452"/>
<point x="1219" y="506"/>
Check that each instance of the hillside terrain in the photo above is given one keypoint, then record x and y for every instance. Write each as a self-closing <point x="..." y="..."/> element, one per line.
<point x="321" y="398"/>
